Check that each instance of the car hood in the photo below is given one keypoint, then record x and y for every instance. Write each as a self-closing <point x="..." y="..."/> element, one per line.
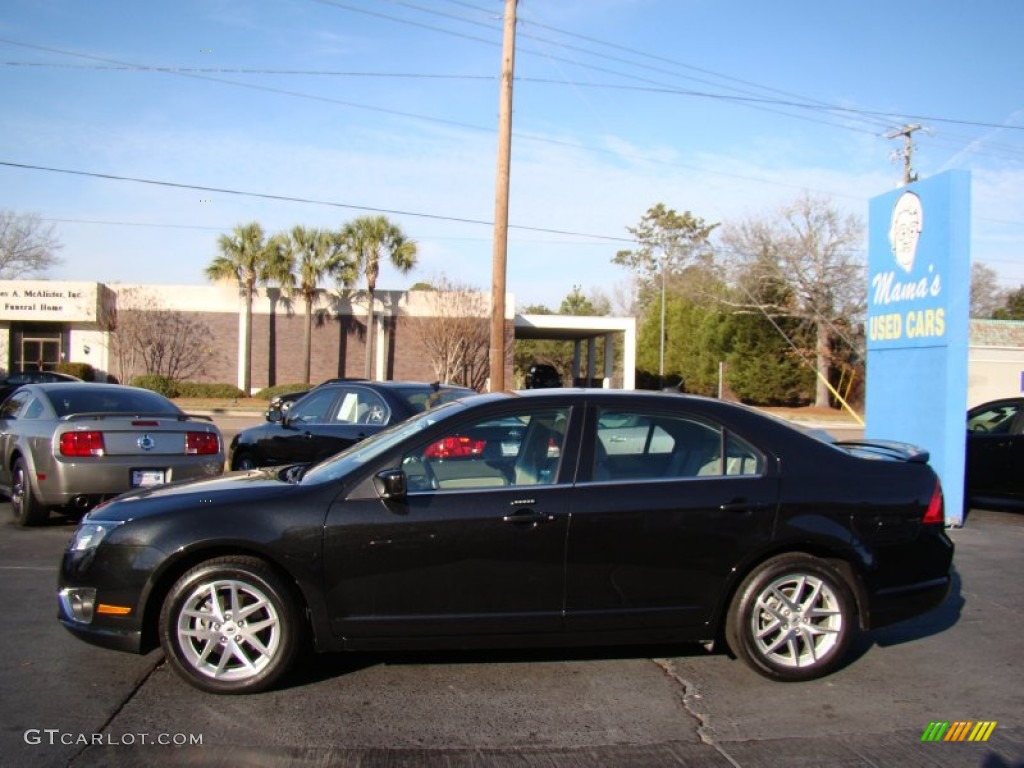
<point x="235" y="489"/>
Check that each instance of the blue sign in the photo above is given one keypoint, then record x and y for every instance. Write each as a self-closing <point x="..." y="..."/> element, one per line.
<point x="919" y="282"/>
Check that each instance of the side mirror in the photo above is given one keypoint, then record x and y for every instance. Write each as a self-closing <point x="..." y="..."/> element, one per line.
<point x="390" y="484"/>
<point x="274" y="414"/>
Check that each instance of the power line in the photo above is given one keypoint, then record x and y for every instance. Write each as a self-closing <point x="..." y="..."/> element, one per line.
<point x="413" y="116"/>
<point x="305" y="200"/>
<point x="243" y="71"/>
<point x="659" y="89"/>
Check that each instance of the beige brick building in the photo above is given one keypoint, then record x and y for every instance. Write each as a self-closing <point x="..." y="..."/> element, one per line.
<point x="44" y="322"/>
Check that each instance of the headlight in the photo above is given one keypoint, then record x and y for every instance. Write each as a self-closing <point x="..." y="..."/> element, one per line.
<point x="89" y="535"/>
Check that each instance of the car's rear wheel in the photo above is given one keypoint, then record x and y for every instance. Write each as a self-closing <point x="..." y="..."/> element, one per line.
<point x="24" y="504"/>
<point x="792" y="618"/>
<point x="230" y="625"/>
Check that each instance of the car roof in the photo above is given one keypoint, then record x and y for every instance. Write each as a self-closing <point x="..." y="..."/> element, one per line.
<point x="33" y="377"/>
<point x="86" y="386"/>
<point x="389" y="384"/>
<point x="575" y="394"/>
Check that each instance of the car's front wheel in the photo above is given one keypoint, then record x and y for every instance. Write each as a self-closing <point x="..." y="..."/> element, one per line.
<point x="230" y="625"/>
<point x="792" y="618"/>
<point x="243" y="461"/>
<point x="24" y="504"/>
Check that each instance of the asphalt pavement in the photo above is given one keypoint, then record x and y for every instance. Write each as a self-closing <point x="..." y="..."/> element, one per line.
<point x="65" y="703"/>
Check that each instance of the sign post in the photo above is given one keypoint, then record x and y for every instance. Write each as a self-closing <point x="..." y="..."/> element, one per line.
<point x="919" y="282"/>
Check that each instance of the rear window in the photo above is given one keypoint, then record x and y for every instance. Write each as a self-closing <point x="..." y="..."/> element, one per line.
<point x="423" y="398"/>
<point x="70" y="400"/>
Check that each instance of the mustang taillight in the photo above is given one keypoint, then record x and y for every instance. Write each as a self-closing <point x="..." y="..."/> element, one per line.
<point x="81" y="444"/>
<point x="936" y="512"/>
<point x="455" y="446"/>
<point x="201" y="443"/>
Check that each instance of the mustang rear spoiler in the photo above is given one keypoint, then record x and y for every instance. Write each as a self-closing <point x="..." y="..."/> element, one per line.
<point x="109" y="415"/>
<point x="889" y="449"/>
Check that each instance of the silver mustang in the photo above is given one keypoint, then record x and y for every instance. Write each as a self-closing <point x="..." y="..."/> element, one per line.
<point x="73" y="445"/>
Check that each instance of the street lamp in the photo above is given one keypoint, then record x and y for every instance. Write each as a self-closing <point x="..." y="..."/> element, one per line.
<point x="661" y="354"/>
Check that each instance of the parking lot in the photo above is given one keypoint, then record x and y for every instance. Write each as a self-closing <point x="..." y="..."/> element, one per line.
<point x="68" y="704"/>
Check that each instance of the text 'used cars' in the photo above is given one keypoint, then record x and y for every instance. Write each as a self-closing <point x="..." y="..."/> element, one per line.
<point x="547" y="517"/>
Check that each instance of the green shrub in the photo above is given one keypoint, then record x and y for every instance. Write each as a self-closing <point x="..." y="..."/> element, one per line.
<point x="268" y="393"/>
<point x="204" y="389"/>
<point x="83" y="371"/>
<point x="159" y="384"/>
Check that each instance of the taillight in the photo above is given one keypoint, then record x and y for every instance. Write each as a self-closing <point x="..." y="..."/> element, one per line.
<point x="455" y="446"/>
<point x="81" y="444"/>
<point x="936" y="512"/>
<point x="201" y="443"/>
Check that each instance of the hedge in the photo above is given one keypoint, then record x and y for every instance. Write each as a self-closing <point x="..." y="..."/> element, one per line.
<point x="171" y="388"/>
<point x="268" y="393"/>
<point x="159" y="384"/>
<point x="83" y="371"/>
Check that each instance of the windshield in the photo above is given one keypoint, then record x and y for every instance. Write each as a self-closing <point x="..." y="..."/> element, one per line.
<point x="369" y="449"/>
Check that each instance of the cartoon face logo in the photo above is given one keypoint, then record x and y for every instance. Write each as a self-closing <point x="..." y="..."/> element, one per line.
<point x="905" y="230"/>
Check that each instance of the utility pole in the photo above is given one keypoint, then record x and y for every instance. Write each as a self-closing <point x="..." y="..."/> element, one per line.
<point x="500" y="256"/>
<point x="907" y="152"/>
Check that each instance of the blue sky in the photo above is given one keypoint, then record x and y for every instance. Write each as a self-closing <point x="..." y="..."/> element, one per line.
<point x="728" y="110"/>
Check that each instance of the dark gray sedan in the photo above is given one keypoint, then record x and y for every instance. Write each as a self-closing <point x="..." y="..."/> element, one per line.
<point x="71" y="446"/>
<point x="995" y="454"/>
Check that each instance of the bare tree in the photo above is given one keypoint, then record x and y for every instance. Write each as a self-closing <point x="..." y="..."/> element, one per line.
<point x="987" y="297"/>
<point x="147" y="338"/>
<point x="27" y="246"/>
<point x="814" y="252"/>
<point x="456" y="332"/>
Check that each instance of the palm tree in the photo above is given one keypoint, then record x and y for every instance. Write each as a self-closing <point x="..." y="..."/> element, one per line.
<point x="247" y="258"/>
<point x="366" y="240"/>
<point x="312" y="255"/>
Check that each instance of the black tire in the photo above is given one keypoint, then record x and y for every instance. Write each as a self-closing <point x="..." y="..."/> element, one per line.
<point x="219" y="652"/>
<point x="792" y="618"/>
<point x="24" y="504"/>
<point x="243" y="461"/>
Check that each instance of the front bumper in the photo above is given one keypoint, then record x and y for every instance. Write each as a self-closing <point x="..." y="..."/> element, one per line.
<point x="101" y="595"/>
<point x="114" y="638"/>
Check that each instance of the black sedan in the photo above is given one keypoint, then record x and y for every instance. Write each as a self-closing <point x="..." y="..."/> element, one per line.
<point x="333" y="416"/>
<point x="549" y="517"/>
<point x="995" y="454"/>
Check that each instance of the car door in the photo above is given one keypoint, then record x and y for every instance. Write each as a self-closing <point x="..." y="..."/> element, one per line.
<point x="9" y="431"/>
<point x="666" y="506"/>
<point x="995" y="449"/>
<point x="327" y="421"/>
<point x="477" y="547"/>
